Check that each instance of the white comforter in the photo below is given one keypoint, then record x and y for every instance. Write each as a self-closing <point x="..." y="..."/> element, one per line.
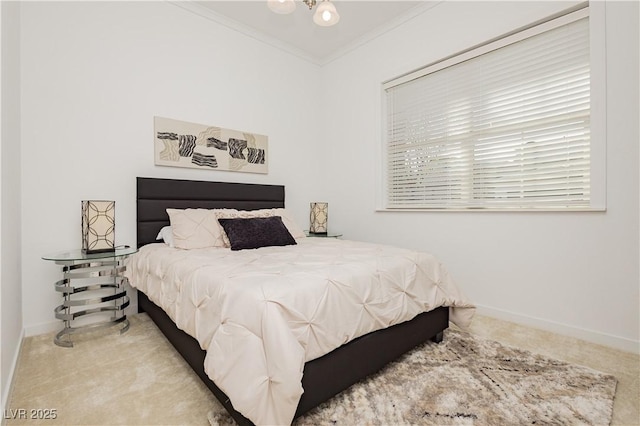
<point x="261" y="314"/>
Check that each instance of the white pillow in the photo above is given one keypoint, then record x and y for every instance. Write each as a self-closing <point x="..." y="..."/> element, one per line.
<point x="199" y="228"/>
<point x="238" y="214"/>
<point x="196" y="228"/>
<point x="166" y="235"/>
<point x="287" y="219"/>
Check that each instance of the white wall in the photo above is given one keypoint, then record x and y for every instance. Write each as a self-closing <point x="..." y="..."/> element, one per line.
<point x="10" y="248"/>
<point x="575" y="273"/>
<point x="94" y="74"/>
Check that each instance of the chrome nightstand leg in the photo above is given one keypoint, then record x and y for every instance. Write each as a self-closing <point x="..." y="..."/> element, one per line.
<point x="60" y="342"/>
<point x="96" y="277"/>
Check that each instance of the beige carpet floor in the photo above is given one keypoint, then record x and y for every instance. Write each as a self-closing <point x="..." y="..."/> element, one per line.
<point x="99" y="382"/>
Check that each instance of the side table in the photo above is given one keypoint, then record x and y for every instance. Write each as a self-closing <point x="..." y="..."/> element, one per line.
<point x="90" y="284"/>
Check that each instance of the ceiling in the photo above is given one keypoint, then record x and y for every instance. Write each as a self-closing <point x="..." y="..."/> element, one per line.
<point x="360" y="21"/>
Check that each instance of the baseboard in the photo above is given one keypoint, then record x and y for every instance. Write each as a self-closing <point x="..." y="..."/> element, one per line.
<point x="612" y="341"/>
<point x="57" y="325"/>
<point x="6" y="394"/>
<point x="42" y="328"/>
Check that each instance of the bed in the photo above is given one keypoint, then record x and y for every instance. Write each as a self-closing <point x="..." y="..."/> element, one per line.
<point x="322" y="377"/>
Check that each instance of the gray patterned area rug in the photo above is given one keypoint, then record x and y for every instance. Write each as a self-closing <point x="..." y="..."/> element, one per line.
<point x="467" y="380"/>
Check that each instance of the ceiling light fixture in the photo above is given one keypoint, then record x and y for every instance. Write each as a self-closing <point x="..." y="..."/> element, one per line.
<point x="326" y="14"/>
<point x="282" y="7"/>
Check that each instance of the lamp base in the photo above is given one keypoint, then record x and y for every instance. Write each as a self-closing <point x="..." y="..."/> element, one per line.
<point x="318" y="233"/>
<point x="105" y="250"/>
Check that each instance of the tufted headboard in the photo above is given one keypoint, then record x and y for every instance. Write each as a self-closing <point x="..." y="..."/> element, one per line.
<point x="155" y="195"/>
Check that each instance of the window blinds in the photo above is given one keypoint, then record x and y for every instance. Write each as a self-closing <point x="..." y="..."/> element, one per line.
<point x="509" y="128"/>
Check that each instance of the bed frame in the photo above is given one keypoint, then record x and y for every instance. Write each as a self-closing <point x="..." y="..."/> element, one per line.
<point x="323" y="377"/>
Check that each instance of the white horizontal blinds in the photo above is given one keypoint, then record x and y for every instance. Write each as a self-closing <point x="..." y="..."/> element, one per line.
<point x="509" y="128"/>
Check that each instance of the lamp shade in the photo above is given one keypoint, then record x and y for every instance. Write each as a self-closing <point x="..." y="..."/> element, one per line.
<point x="282" y="7"/>
<point x="326" y="14"/>
<point x="319" y="218"/>
<point x="98" y="226"/>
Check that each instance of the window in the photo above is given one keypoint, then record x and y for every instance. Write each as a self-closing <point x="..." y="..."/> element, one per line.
<point x="503" y="126"/>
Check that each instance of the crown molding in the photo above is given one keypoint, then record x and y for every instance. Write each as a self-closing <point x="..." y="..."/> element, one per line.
<point x="381" y="30"/>
<point x="232" y="24"/>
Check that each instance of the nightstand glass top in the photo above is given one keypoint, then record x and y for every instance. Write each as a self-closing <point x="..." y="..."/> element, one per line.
<point x="327" y="235"/>
<point x="80" y="255"/>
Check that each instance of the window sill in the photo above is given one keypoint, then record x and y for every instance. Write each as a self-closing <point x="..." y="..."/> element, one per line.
<point x="494" y="210"/>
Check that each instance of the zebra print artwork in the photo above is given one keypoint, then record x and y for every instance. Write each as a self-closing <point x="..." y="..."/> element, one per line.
<point x="204" y="160"/>
<point x="168" y="135"/>
<point x="236" y="148"/>
<point x="217" y="143"/>
<point x="169" y="150"/>
<point x="183" y="144"/>
<point x="186" y="145"/>
<point x="255" y="156"/>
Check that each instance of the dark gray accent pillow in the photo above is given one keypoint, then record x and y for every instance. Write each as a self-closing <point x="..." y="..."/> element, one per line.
<point x="256" y="232"/>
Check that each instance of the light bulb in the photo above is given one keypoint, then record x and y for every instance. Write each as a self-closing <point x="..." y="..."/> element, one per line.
<point x="282" y="7"/>
<point x="326" y="14"/>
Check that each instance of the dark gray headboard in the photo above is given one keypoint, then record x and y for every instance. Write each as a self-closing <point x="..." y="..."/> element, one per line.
<point x="154" y="196"/>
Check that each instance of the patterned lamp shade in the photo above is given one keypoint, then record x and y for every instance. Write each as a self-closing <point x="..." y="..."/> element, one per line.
<point x="319" y="217"/>
<point x="98" y="226"/>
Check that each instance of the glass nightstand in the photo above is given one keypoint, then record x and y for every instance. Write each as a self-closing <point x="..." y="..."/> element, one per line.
<point x="91" y="284"/>
<point x="327" y="235"/>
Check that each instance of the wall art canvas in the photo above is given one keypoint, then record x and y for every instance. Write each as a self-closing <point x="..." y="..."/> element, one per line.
<point x="198" y="146"/>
